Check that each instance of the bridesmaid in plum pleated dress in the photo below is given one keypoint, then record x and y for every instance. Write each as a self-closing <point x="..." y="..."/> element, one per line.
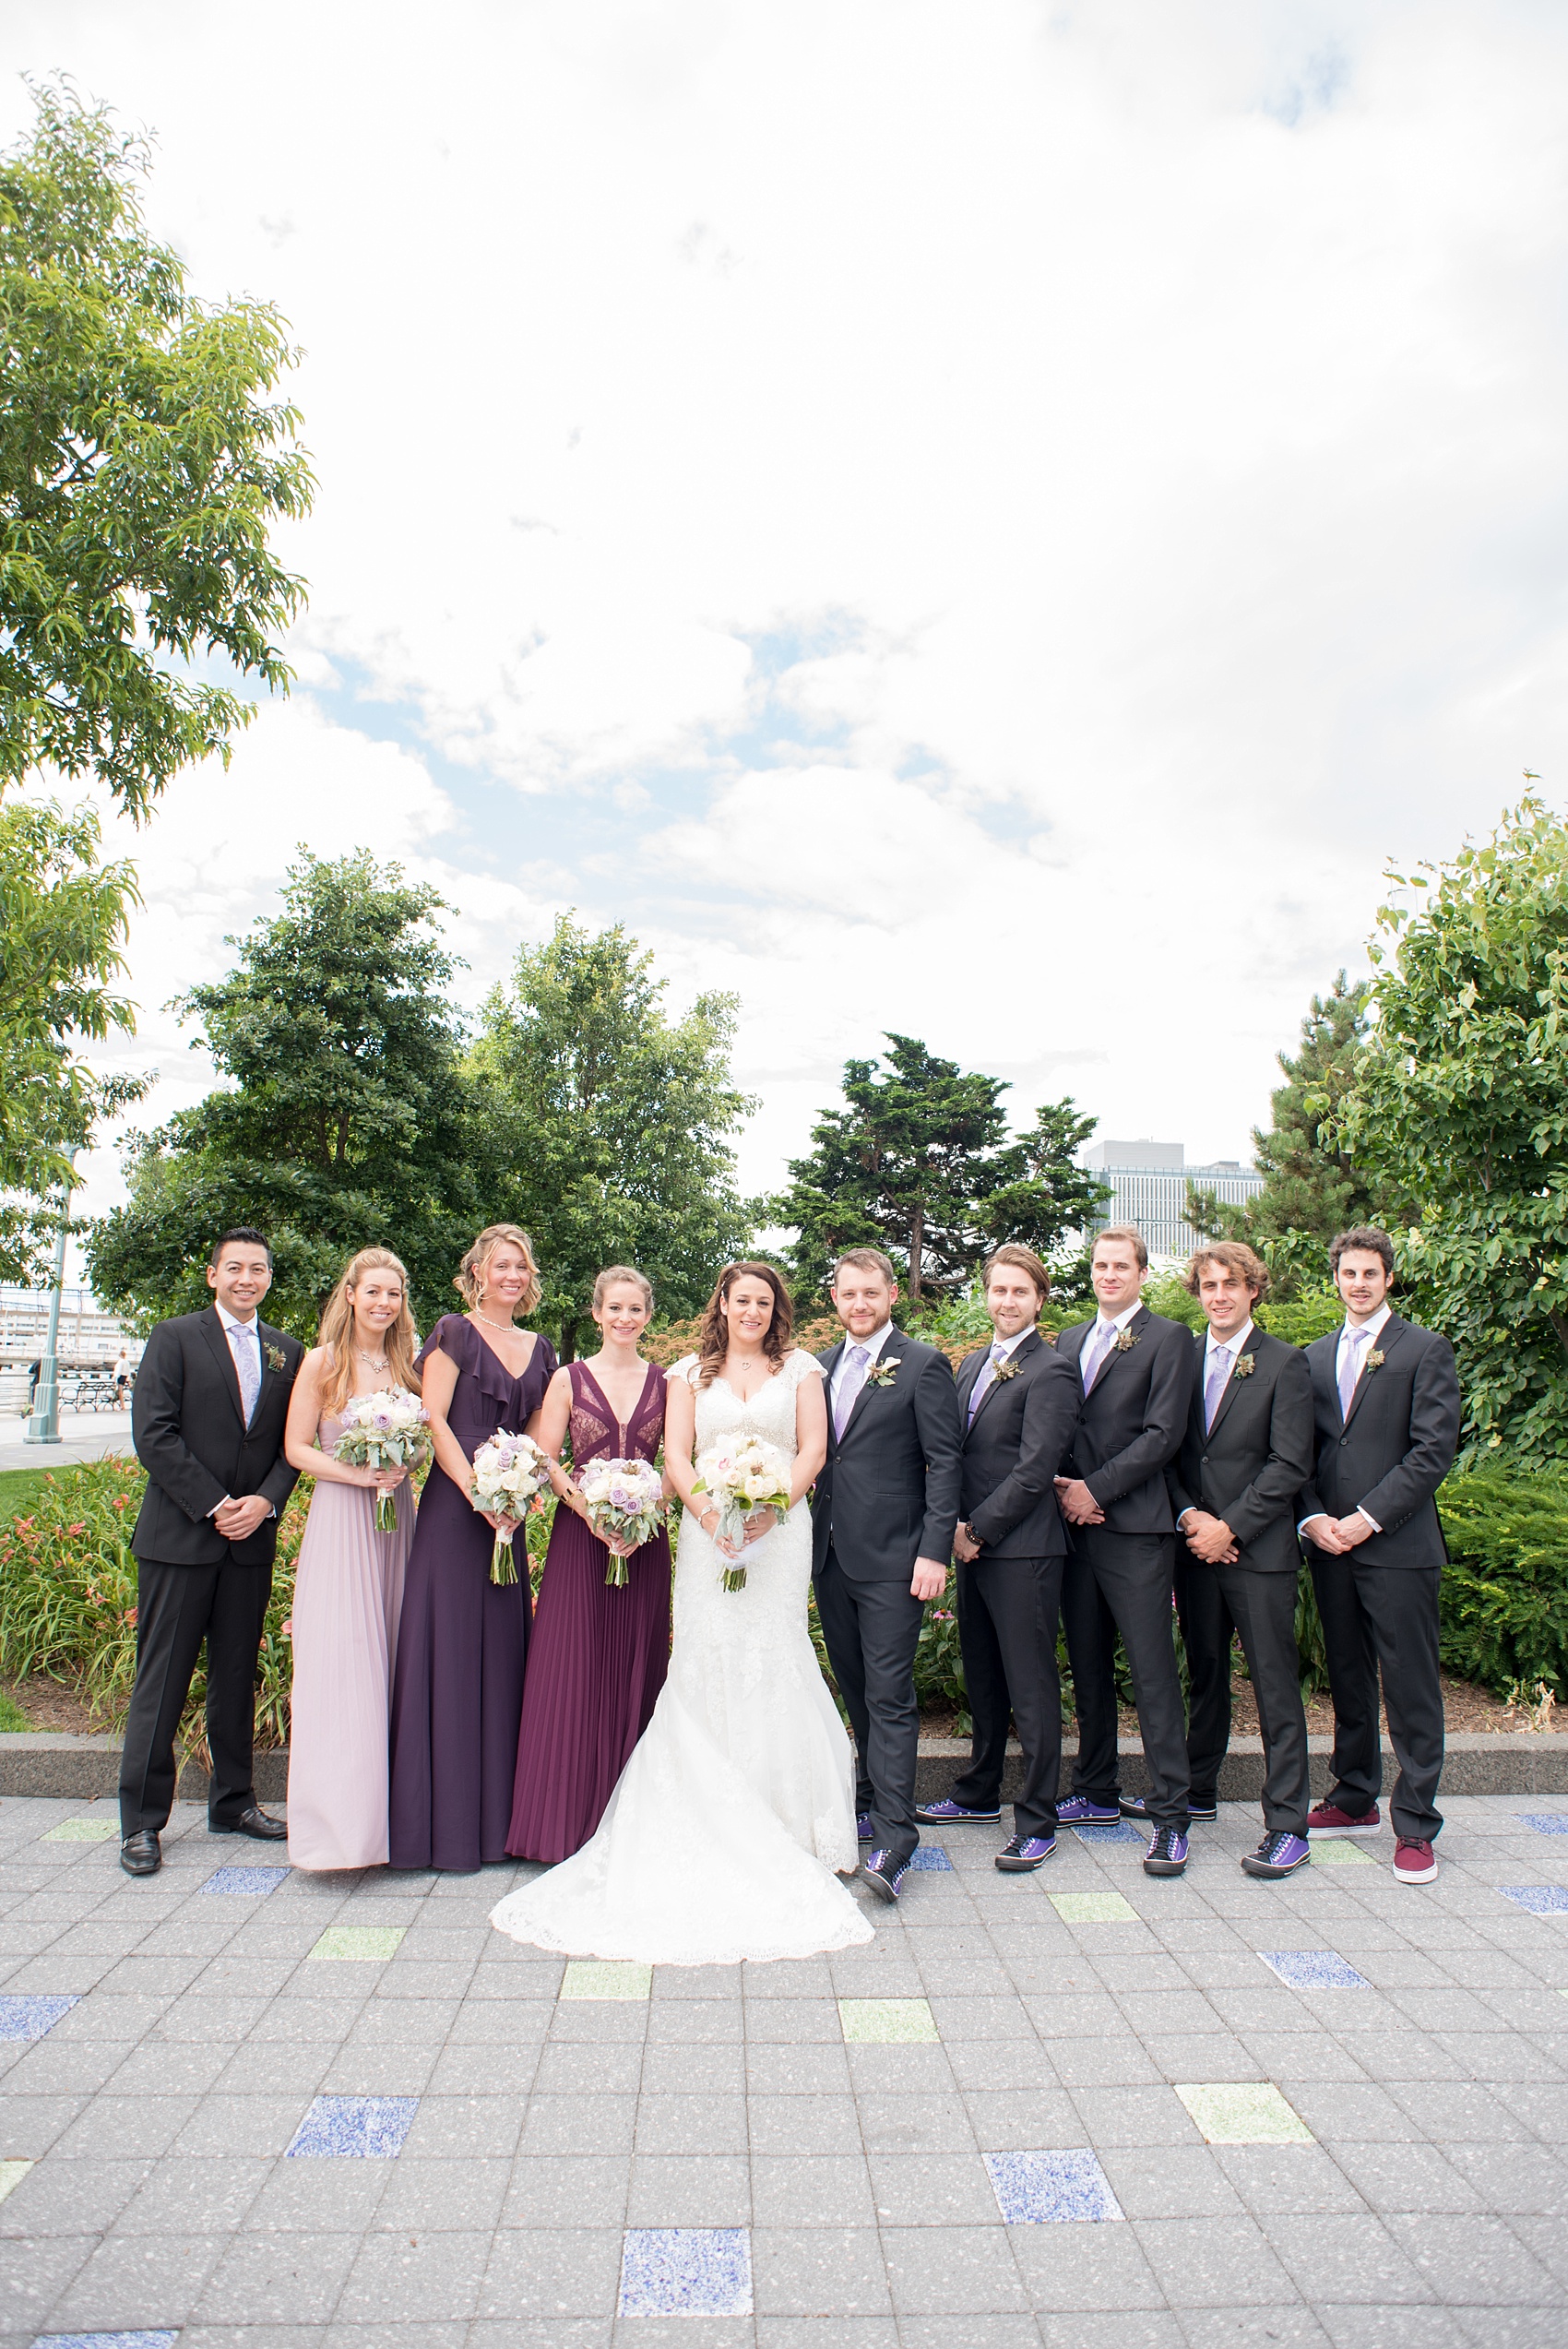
<point x="458" y="1690"/>
<point x="349" y="1581"/>
<point x="600" y="1651"/>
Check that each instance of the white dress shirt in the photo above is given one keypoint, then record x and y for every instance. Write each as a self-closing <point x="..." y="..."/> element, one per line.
<point x="1372" y="1325"/>
<point x="250" y="1333"/>
<point x="873" y="1345"/>
<point x="1100" y="1323"/>
<point x="1237" y="1342"/>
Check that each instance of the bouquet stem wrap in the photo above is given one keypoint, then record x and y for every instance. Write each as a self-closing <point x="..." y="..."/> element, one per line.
<point x="742" y="1477"/>
<point x="508" y="1472"/>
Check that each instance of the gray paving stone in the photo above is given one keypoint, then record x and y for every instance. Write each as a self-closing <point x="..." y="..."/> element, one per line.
<point x="402" y="2279"/>
<point x="1483" y="2263"/>
<point x="426" y="2195"/>
<point x="812" y="2190"/>
<point x="1229" y="2267"/>
<point x="578" y="2125"/>
<point x="555" y="2190"/>
<point x="204" y="2196"/>
<point x="129" y="2284"/>
<point x="818" y="2271"/>
<point x="1176" y="2182"/>
<point x="292" y="2279"/>
<point x="551" y="2272"/>
<point x="672" y="2124"/>
<point x="803" y="2124"/>
<point x="70" y="2198"/>
<point x="690" y="2190"/>
<point x="1085" y="2268"/>
<point x="463" y="2126"/>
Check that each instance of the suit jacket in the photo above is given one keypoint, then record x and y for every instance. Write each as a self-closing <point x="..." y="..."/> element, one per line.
<point x="1131" y="1421"/>
<point x="1250" y="1466"/>
<point x="1396" y="1447"/>
<point x="888" y="1491"/>
<point x="1014" y="1448"/>
<point x="188" y="1427"/>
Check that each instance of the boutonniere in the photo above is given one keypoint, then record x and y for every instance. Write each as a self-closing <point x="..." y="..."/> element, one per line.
<point x="1126" y="1341"/>
<point x="1374" y="1360"/>
<point x="276" y="1358"/>
<point x="881" y="1373"/>
<point x="1244" y="1366"/>
<point x="1008" y="1367"/>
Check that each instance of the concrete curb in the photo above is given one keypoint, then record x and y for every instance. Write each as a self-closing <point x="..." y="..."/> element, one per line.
<point x="87" y="1768"/>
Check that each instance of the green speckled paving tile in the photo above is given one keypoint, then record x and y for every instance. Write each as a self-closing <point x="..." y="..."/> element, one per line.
<point x="1337" y="1851"/>
<point x="1244" y="2113"/>
<point x="12" y="2174"/>
<point x="1093" y="1908"/>
<point x="888" y="2022"/>
<point x="375" y="1942"/>
<point x="83" y="1830"/>
<point x="606" y="1978"/>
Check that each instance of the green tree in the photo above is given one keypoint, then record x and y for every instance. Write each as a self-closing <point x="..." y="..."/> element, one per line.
<point x="1460" y="1109"/>
<point x="1041" y="1194"/>
<point x="1312" y="1188"/>
<point x="611" y="1125"/>
<point x="141" y="466"/>
<point x="347" y="1120"/>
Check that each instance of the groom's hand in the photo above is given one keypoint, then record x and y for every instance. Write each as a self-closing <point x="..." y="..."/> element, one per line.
<point x="929" y="1580"/>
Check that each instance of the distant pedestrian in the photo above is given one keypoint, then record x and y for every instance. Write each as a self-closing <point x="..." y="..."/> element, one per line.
<point x="122" y="1373"/>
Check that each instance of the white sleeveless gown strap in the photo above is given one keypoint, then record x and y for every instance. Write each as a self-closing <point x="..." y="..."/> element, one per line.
<point x="722" y="1839"/>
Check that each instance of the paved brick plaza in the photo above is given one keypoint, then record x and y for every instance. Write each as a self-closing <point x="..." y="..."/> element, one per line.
<point x="267" y="2111"/>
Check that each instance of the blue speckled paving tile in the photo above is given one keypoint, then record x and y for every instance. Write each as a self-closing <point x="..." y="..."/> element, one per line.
<point x="1313" y="1970"/>
<point x="31" y="2018"/>
<point x="1544" y="1822"/>
<point x="254" y="1882"/>
<point x="1032" y="2189"/>
<point x="1542" y="1900"/>
<point x="931" y="1859"/>
<point x="1120" y="1831"/>
<point x="104" y="2340"/>
<point x="354" y="2128"/>
<point x="686" y="2271"/>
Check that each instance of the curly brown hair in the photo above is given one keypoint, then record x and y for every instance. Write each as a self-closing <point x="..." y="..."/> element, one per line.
<point x="713" y="1342"/>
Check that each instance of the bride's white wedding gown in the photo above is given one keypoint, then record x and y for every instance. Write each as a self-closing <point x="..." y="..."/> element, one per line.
<point x="723" y="1835"/>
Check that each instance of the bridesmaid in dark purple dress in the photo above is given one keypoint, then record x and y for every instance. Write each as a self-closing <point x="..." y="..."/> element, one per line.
<point x="599" y="1652"/>
<point x="457" y="1690"/>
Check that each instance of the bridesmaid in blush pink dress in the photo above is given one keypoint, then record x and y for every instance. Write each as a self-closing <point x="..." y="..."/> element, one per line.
<point x="349" y="1581"/>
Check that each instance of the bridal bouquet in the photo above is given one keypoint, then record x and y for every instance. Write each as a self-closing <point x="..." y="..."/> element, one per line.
<point x="385" y="1430"/>
<point x="508" y="1472"/>
<point x="626" y="1503"/>
<point x="742" y="1477"/>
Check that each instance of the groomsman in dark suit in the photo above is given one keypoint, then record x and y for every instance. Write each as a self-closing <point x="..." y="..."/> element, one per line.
<point x="1388" y="1411"/>
<point x="206" y="1419"/>
<point x="882" y="1514"/>
<point x="1019" y="1403"/>
<point x="1136" y="1370"/>
<point x="1247" y="1453"/>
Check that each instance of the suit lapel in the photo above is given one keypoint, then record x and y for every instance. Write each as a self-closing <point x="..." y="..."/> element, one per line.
<point x="1387" y="1338"/>
<point x="1228" y="1393"/>
<point x="1114" y="1352"/>
<point x="859" y="1405"/>
<point x="213" y="1329"/>
<point x="830" y="1362"/>
<point x="1021" y="1352"/>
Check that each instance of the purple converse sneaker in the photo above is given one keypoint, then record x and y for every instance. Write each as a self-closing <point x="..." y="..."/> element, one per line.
<point x="1078" y="1811"/>
<point x="1279" y="1855"/>
<point x="947" y="1812"/>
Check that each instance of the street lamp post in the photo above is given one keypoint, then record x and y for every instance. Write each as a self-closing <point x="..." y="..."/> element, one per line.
<point x="43" y="1426"/>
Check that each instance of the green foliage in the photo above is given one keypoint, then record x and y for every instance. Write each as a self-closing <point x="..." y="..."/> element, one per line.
<point x="918" y="1163"/>
<point x="1505" y="1588"/>
<point x="1168" y="1293"/>
<point x="1460" y="1111"/>
<point x="63" y="920"/>
<point x="1312" y="1313"/>
<point x="348" y="1121"/>
<point x="939" y="1666"/>
<point x="68" y="1598"/>
<point x="1312" y="1190"/>
<point x="140" y="469"/>
<point x="611" y="1126"/>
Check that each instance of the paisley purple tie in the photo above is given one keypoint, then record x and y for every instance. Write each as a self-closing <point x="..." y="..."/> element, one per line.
<point x="854" y="1378"/>
<point x="1214" y="1387"/>
<point x="1350" y="1368"/>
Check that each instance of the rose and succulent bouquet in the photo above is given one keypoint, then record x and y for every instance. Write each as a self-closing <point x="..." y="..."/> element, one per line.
<point x="390" y="1429"/>
<point x="742" y="1478"/>
<point x="625" y="1499"/>
<point x="508" y="1471"/>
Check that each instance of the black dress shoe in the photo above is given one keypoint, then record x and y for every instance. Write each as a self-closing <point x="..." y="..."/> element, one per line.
<point x="252" y="1822"/>
<point x="139" y="1854"/>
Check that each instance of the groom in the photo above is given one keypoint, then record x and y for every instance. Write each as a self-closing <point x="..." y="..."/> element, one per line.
<point x="207" y="1418"/>
<point x="883" y="1517"/>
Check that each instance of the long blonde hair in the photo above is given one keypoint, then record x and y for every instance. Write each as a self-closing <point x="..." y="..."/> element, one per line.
<point x="337" y="1331"/>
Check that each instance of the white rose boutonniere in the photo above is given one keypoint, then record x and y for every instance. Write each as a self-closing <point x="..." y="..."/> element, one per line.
<point x="881" y="1373"/>
<point x="1375" y="1359"/>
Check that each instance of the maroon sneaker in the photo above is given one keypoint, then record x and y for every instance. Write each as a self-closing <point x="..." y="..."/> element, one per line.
<point x="1329" y="1819"/>
<point x="1413" y="1863"/>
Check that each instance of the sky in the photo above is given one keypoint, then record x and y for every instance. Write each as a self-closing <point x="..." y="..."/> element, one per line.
<point x="992" y="523"/>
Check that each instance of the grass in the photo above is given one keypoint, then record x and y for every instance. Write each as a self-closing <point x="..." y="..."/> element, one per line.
<point x="11" y="1715"/>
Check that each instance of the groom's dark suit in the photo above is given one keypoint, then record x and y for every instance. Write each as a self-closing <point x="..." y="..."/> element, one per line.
<point x="188" y="1425"/>
<point x="888" y="1494"/>
<point x="1009" y="1598"/>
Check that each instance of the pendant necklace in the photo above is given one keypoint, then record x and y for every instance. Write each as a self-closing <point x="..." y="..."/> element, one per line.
<point x="371" y="1361"/>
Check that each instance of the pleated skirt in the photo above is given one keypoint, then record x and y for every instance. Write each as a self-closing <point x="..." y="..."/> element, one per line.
<point x="348" y="1599"/>
<point x="596" y="1664"/>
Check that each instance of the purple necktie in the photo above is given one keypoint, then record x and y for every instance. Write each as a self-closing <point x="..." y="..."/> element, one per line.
<point x="854" y="1378"/>
<point x="1096" y="1351"/>
<point x="1350" y="1368"/>
<point x="1218" y="1372"/>
<point x="984" y="1383"/>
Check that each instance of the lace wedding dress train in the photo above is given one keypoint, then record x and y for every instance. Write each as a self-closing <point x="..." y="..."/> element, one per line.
<point x="723" y="1835"/>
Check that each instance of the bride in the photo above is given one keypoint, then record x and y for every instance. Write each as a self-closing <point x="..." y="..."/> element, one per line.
<point x="725" y="1832"/>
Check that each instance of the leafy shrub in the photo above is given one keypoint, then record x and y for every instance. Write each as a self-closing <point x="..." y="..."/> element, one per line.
<point x="1303" y="1318"/>
<point x="1505" y="1590"/>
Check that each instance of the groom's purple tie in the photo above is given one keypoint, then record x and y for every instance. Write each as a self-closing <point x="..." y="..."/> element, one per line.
<point x="854" y="1378"/>
<point x="1214" y="1386"/>
<point x="1095" y="1353"/>
<point x="1350" y="1367"/>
